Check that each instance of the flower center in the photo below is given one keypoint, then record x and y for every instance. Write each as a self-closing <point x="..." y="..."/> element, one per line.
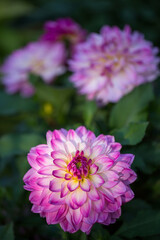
<point x="37" y="66"/>
<point x="79" y="166"/>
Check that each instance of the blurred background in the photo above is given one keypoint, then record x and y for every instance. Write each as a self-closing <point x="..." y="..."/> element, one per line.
<point x="23" y="124"/>
<point x="22" y="21"/>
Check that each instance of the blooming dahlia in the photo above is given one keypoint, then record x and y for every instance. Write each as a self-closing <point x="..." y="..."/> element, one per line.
<point x="39" y="58"/>
<point x="110" y="64"/>
<point x="64" y="29"/>
<point x="78" y="179"/>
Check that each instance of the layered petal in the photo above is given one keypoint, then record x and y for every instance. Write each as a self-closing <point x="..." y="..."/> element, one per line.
<point x="77" y="179"/>
<point x="110" y="64"/>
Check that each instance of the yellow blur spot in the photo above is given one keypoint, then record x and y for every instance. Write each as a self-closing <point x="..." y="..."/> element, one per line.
<point x="48" y="108"/>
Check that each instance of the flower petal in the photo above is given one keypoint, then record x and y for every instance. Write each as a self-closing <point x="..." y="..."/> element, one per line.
<point x="42" y="149"/>
<point x="128" y="158"/>
<point x="104" y="163"/>
<point x="99" y="205"/>
<point x="58" y="135"/>
<point x="92" y="218"/>
<point x="97" y="180"/>
<point x="55" y="199"/>
<point x="93" y="194"/>
<point x="72" y="185"/>
<point x="55" y="185"/>
<point x="68" y="176"/>
<point x="57" y="145"/>
<point x="86" y="227"/>
<point x="35" y="197"/>
<point x="70" y="147"/>
<point x="93" y="169"/>
<point x="59" y="155"/>
<point x="44" y="160"/>
<point x="72" y="136"/>
<point x="44" y="181"/>
<point x="46" y="170"/>
<point x="96" y="151"/>
<point x="59" y="173"/>
<point x="85" y="185"/>
<point x="76" y="216"/>
<point x="115" y="146"/>
<point x="81" y="131"/>
<point x="32" y="160"/>
<point x="60" y="163"/>
<point x="79" y="197"/>
<point x="49" y="136"/>
<point x="81" y="146"/>
<point x="112" y="176"/>
<point x="64" y="189"/>
<point x="86" y="208"/>
<point x="107" y="194"/>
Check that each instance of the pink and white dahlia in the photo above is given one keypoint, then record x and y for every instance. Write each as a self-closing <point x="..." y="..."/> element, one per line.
<point x="64" y="29"/>
<point x="40" y="58"/>
<point x="78" y="179"/>
<point x="110" y="64"/>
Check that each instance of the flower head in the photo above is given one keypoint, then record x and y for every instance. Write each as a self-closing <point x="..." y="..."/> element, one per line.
<point x="64" y="29"/>
<point x="110" y="64"/>
<point x="40" y="58"/>
<point x="78" y="179"/>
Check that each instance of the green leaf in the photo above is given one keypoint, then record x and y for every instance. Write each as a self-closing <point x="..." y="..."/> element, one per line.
<point x="132" y="134"/>
<point x="13" y="104"/>
<point x="131" y="209"/>
<point x="147" y="157"/>
<point x="58" y="97"/>
<point x="12" y="144"/>
<point x="89" y="111"/>
<point x="98" y="232"/>
<point x="55" y="95"/>
<point x="130" y="107"/>
<point x="115" y="238"/>
<point x="6" y="232"/>
<point x="18" y="9"/>
<point x="145" y="224"/>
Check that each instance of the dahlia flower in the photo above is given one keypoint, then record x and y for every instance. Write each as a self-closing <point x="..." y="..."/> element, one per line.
<point x="78" y="179"/>
<point x="110" y="64"/>
<point x="40" y="58"/>
<point x="64" y="29"/>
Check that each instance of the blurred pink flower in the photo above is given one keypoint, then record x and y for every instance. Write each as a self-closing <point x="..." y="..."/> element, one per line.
<point x="64" y="29"/>
<point x="78" y="179"/>
<point x="110" y="64"/>
<point x="39" y="58"/>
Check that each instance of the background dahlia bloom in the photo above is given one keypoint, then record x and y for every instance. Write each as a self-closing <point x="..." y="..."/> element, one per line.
<point x="64" y="29"/>
<point x="39" y="58"/>
<point x="78" y="179"/>
<point x="110" y="64"/>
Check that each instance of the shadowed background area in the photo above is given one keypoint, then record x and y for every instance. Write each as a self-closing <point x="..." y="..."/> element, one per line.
<point x="22" y="21"/>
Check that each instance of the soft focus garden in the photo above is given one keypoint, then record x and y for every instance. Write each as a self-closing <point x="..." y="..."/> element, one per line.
<point x="79" y="120"/>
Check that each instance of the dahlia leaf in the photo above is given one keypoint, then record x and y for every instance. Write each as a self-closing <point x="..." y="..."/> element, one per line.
<point x="6" y="232"/>
<point x="145" y="224"/>
<point x="54" y="95"/>
<point x="132" y="134"/>
<point x="99" y="233"/>
<point x="10" y="105"/>
<point x="12" y="144"/>
<point x="147" y="157"/>
<point x="115" y="238"/>
<point x="89" y="112"/>
<point x="131" y="107"/>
